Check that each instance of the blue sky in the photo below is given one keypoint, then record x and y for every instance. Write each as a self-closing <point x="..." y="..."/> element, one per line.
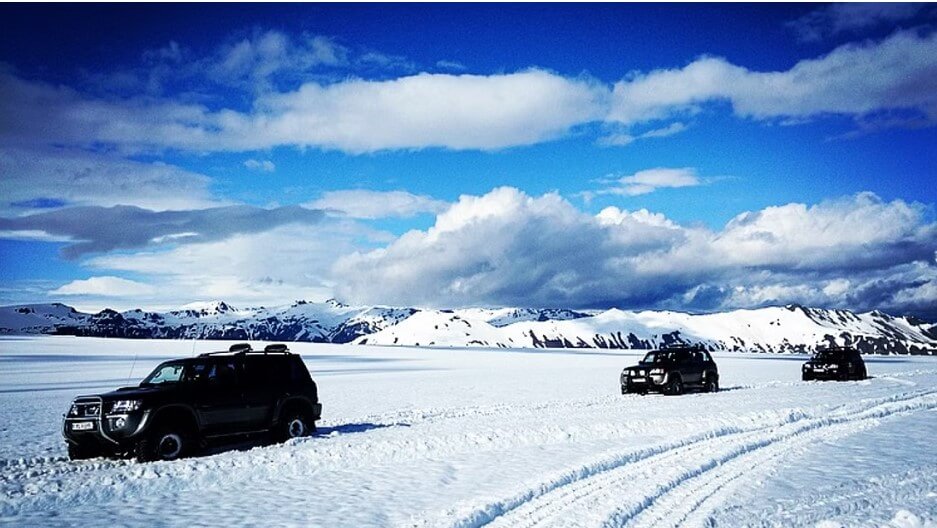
<point x="691" y="157"/>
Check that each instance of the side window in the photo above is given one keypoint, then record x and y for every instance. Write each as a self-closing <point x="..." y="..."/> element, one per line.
<point x="198" y="372"/>
<point x="214" y="373"/>
<point x="225" y="374"/>
<point x="707" y="358"/>
<point x="255" y="372"/>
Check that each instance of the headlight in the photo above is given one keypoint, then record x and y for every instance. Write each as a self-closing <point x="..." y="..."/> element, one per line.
<point x="73" y="411"/>
<point x="123" y="406"/>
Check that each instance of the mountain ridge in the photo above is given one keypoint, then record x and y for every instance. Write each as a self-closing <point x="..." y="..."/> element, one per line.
<point x="791" y="328"/>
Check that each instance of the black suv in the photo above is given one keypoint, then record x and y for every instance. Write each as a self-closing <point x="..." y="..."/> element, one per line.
<point x="184" y="403"/>
<point x="835" y="363"/>
<point x="671" y="371"/>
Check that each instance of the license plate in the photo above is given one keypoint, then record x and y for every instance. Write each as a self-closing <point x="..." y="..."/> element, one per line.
<point x="638" y="380"/>
<point x="82" y="426"/>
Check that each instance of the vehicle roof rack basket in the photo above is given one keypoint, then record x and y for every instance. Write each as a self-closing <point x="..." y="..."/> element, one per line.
<point x="240" y="347"/>
<point x="277" y="348"/>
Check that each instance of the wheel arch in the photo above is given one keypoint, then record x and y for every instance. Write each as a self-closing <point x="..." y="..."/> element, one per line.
<point x="175" y="413"/>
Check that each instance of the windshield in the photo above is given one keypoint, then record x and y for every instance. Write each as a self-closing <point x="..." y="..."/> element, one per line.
<point x="165" y="373"/>
<point x="827" y="355"/>
<point x="656" y="357"/>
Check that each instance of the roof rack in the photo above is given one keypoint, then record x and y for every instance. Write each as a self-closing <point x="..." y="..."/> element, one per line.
<point x="241" y="349"/>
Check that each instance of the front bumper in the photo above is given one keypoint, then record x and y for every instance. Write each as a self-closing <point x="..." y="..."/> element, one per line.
<point x="825" y="374"/>
<point x="648" y="383"/>
<point x="108" y="432"/>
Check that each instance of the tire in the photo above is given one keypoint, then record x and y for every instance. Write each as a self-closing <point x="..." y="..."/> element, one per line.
<point x="807" y="377"/>
<point x="77" y="452"/>
<point x="675" y="387"/>
<point x="863" y="373"/>
<point x="169" y="442"/>
<point x="294" y="423"/>
<point x="711" y="384"/>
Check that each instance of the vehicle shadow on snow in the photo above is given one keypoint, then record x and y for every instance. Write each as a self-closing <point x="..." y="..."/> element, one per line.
<point x="248" y="443"/>
<point x="355" y="428"/>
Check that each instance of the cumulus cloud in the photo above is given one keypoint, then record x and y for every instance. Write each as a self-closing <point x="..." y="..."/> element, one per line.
<point x="50" y="178"/>
<point x="835" y="19"/>
<point x="260" y="165"/>
<point x="425" y="110"/>
<point x="94" y="229"/>
<point x="105" y="286"/>
<point x="898" y="73"/>
<point x="367" y="204"/>
<point x="508" y="248"/>
<point x="265" y="268"/>
<point x="649" y="180"/>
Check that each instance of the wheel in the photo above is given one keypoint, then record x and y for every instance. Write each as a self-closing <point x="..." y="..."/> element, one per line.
<point x="77" y="452"/>
<point x="807" y="377"/>
<point x="166" y="443"/>
<point x="863" y="373"/>
<point x="294" y="424"/>
<point x="675" y="388"/>
<point x="711" y="384"/>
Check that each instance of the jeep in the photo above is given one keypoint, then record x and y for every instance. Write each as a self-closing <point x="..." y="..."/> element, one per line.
<point x="672" y="371"/>
<point x="835" y="363"/>
<point x="185" y="403"/>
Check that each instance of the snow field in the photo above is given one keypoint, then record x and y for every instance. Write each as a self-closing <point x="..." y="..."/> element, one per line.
<point x="441" y="437"/>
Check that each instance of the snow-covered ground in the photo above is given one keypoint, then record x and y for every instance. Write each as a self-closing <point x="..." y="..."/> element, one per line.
<point x="472" y="437"/>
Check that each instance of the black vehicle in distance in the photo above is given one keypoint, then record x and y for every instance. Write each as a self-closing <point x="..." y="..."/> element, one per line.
<point x="184" y="403"/>
<point x="835" y="363"/>
<point x="672" y="370"/>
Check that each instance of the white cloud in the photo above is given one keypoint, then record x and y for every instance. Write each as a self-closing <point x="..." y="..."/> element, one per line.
<point x="260" y="165"/>
<point x="621" y="139"/>
<point x="468" y="112"/>
<point x="507" y="248"/>
<point x="649" y="180"/>
<point x="269" y="268"/>
<point x="898" y="73"/>
<point x="835" y="19"/>
<point x="105" y="286"/>
<point x="33" y="179"/>
<point x="367" y="204"/>
<point x="256" y="60"/>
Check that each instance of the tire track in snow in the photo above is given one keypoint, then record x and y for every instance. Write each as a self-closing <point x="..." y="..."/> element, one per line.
<point x="593" y="493"/>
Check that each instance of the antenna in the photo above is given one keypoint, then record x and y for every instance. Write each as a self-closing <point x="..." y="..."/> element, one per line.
<point x="193" y="348"/>
<point x="132" y="365"/>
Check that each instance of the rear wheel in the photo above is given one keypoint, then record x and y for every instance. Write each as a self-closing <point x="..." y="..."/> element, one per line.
<point x="170" y="442"/>
<point x="711" y="384"/>
<point x="77" y="452"/>
<point x="295" y="423"/>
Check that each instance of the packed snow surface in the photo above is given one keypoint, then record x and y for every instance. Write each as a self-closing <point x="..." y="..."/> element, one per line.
<point x="491" y="437"/>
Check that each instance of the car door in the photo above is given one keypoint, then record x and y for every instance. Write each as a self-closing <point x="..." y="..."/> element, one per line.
<point x="217" y="396"/>
<point x="694" y="367"/>
<point x="263" y="376"/>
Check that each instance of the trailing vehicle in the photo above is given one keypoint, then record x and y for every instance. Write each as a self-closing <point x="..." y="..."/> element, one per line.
<point x="672" y="371"/>
<point x="184" y="403"/>
<point x="835" y="363"/>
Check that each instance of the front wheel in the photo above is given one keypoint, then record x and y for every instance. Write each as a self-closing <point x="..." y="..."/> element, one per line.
<point x="675" y="388"/>
<point x="712" y="384"/>
<point x="167" y="443"/>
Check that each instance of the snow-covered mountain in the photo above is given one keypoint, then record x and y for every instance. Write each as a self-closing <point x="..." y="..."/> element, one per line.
<point x="774" y="329"/>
